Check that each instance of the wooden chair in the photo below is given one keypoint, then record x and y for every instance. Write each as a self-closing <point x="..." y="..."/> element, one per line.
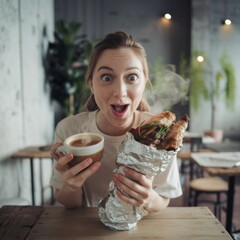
<point x="200" y="184"/>
<point x="35" y="153"/>
<point x="209" y="186"/>
<point x="187" y="164"/>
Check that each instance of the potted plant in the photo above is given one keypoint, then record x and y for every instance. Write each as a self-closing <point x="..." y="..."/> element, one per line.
<point x="209" y="85"/>
<point x="224" y="83"/>
<point x="65" y="65"/>
<point x="195" y="72"/>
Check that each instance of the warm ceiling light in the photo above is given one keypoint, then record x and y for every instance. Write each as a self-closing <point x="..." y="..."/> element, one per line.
<point x="167" y="16"/>
<point x="227" y="21"/>
<point x="200" y="58"/>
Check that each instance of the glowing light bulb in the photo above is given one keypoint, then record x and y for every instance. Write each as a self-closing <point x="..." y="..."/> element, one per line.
<point x="167" y="16"/>
<point x="228" y="22"/>
<point x="200" y="58"/>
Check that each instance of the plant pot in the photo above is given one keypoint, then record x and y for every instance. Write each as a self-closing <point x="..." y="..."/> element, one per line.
<point x="217" y="134"/>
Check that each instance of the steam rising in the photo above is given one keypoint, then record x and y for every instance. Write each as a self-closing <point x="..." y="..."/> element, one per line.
<point x="168" y="88"/>
<point x="86" y="139"/>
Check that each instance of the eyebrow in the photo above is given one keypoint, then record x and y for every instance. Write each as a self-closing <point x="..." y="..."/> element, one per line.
<point x="104" y="67"/>
<point x="108" y="68"/>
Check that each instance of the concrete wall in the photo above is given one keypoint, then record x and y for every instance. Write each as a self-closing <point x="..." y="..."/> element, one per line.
<point x="26" y="114"/>
<point x="209" y="36"/>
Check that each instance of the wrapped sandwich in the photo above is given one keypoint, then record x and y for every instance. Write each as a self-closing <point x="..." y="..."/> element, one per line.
<point x="148" y="149"/>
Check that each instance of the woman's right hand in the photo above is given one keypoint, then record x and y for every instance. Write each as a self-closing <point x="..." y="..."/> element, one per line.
<point x="74" y="177"/>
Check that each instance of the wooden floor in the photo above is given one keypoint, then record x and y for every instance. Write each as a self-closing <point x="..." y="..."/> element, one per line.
<point x="182" y="201"/>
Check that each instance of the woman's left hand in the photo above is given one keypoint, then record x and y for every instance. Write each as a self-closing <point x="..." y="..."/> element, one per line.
<point x="137" y="187"/>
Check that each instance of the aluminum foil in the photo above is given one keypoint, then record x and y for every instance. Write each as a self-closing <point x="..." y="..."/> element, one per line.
<point x="115" y="213"/>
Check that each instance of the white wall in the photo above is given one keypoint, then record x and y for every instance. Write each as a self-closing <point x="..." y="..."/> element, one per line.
<point x="214" y="39"/>
<point x="26" y="113"/>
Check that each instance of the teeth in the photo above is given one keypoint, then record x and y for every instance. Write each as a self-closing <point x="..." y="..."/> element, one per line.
<point x="119" y="108"/>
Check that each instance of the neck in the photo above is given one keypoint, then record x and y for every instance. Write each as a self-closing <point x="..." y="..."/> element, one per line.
<point x="112" y="130"/>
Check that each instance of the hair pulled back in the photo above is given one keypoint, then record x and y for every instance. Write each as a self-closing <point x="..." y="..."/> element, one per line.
<point x="114" y="41"/>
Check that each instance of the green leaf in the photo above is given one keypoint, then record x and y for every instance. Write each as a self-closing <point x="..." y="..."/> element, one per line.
<point x="198" y="88"/>
<point x="66" y="63"/>
<point x="218" y="78"/>
<point x="160" y="132"/>
<point x="230" y="86"/>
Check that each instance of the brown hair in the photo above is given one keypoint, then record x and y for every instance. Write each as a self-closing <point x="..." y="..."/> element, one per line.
<point x="114" y="41"/>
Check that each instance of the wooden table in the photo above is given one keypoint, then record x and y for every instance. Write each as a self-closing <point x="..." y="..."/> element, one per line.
<point x="231" y="173"/>
<point x="225" y="146"/>
<point x="32" y="153"/>
<point x="56" y="223"/>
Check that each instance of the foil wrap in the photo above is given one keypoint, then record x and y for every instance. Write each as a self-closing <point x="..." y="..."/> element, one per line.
<point x="115" y="213"/>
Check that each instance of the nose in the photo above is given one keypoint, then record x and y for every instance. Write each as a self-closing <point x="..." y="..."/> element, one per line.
<point x="120" y="89"/>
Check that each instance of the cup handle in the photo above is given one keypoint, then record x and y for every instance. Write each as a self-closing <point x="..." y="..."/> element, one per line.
<point x="61" y="149"/>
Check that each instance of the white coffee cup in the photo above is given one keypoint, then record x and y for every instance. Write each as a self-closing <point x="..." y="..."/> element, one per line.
<point x="82" y="146"/>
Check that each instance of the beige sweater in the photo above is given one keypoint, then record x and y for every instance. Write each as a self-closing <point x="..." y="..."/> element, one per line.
<point x="166" y="184"/>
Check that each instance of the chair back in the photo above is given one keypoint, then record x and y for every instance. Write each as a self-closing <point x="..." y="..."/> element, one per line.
<point x="195" y="144"/>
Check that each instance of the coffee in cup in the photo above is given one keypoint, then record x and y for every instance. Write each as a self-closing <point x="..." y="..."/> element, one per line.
<point x="82" y="146"/>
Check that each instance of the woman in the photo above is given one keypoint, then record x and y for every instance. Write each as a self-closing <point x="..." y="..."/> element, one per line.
<point x="117" y="76"/>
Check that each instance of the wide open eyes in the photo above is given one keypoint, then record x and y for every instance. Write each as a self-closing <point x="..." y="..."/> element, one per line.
<point x="106" y="77"/>
<point x="132" y="78"/>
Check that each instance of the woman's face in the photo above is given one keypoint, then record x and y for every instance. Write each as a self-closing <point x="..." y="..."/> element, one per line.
<point x="118" y="84"/>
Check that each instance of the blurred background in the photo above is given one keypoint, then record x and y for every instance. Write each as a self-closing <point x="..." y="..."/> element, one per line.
<point x="193" y="59"/>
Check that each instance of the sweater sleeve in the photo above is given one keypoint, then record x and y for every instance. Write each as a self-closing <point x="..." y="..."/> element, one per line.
<point x="167" y="183"/>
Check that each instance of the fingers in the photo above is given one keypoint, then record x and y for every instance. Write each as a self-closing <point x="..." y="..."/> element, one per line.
<point x="134" y="188"/>
<point x="129" y="195"/>
<point x="73" y="177"/>
<point x="77" y="175"/>
<point x="62" y="158"/>
<point x="142" y="179"/>
<point x="129" y="186"/>
<point x="62" y="161"/>
<point x="80" y="167"/>
<point x="89" y="171"/>
<point x="53" y="150"/>
<point x="130" y="200"/>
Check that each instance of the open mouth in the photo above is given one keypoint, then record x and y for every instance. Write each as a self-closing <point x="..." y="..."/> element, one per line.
<point x="120" y="108"/>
